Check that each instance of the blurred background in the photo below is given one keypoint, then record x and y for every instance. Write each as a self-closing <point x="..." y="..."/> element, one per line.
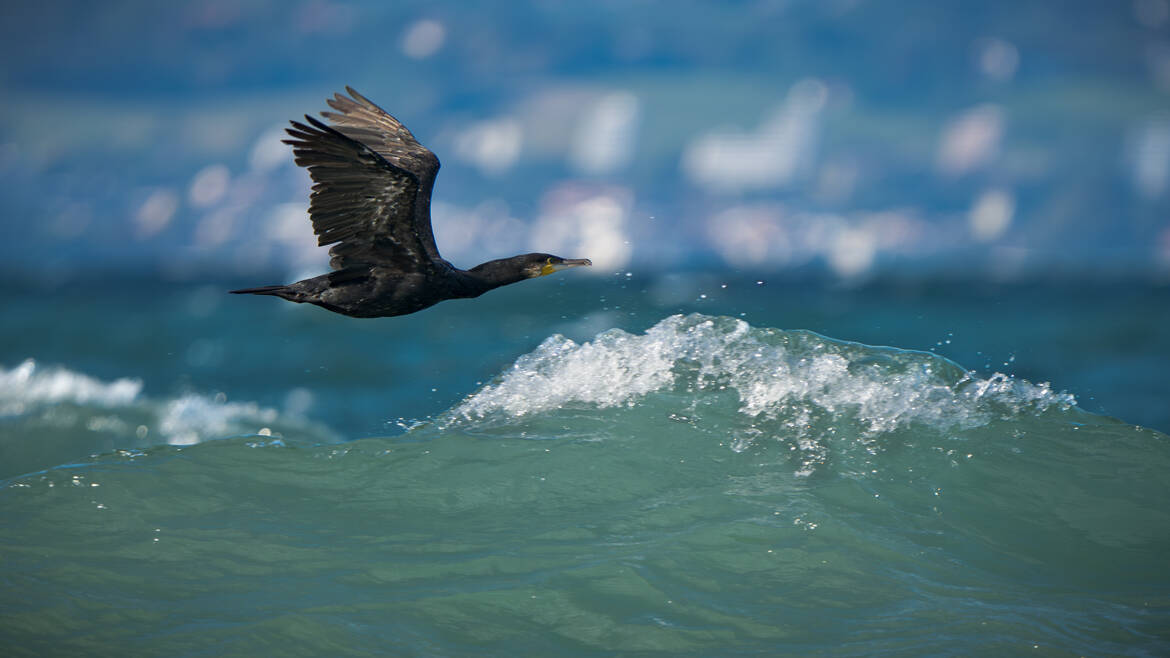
<point x="969" y="149"/>
<point x="994" y="139"/>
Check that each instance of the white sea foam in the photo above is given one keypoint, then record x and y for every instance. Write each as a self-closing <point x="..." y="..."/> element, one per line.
<point x="192" y="418"/>
<point x="795" y="378"/>
<point x="56" y="397"/>
<point x="28" y="385"/>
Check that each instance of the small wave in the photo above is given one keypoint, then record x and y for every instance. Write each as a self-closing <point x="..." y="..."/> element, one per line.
<point x="54" y="414"/>
<point x="28" y="385"/>
<point x="796" y="384"/>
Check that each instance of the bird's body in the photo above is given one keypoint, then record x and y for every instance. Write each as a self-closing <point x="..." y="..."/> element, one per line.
<point x="372" y="292"/>
<point x="371" y="199"/>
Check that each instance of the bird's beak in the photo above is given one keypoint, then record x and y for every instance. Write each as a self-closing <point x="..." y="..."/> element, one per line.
<point x="564" y="265"/>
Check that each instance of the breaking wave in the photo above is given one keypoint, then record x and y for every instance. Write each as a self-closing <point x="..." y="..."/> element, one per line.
<point x="54" y="415"/>
<point x="756" y="383"/>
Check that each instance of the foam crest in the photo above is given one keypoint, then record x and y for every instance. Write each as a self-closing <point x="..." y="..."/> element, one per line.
<point x="115" y="414"/>
<point x="798" y="379"/>
<point x="192" y="418"/>
<point x="29" y="385"/>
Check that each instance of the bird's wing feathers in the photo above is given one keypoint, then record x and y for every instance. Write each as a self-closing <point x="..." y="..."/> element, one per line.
<point x="363" y="203"/>
<point x="361" y="120"/>
<point x="358" y="118"/>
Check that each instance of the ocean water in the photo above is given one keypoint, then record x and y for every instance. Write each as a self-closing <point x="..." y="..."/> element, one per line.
<point x="682" y="465"/>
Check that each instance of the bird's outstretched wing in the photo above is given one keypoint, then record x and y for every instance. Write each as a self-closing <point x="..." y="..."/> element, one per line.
<point x="361" y="120"/>
<point x="364" y="205"/>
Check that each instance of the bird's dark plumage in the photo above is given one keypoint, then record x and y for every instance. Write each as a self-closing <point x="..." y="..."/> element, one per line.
<point x="371" y="200"/>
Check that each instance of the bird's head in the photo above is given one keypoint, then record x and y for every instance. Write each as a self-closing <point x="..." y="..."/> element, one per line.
<point x="501" y="272"/>
<point x="534" y="265"/>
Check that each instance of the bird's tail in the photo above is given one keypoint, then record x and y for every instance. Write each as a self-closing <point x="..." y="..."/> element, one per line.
<point x="279" y="291"/>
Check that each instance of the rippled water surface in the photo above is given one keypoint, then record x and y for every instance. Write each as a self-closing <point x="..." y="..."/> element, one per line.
<point x="690" y="484"/>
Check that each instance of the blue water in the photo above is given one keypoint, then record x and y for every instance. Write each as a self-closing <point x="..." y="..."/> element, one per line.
<point x="683" y="465"/>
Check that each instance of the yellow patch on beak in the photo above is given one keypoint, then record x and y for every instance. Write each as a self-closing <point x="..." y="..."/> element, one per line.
<point x="549" y="266"/>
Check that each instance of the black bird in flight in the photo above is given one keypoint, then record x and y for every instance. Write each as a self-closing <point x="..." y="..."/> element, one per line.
<point x="372" y="200"/>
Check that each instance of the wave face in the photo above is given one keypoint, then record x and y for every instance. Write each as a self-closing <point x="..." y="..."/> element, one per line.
<point x="704" y="488"/>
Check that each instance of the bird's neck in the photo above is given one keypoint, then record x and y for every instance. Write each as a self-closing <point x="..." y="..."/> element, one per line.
<point x="496" y="273"/>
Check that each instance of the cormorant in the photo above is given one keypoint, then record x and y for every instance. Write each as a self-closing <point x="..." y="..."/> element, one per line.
<point x="372" y="200"/>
